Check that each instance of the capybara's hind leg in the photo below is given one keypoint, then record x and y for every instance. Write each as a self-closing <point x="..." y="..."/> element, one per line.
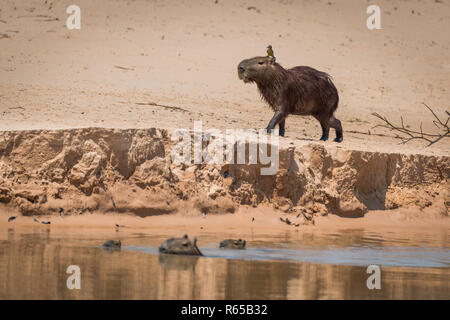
<point x="281" y="126"/>
<point x="324" y="124"/>
<point x="336" y="124"/>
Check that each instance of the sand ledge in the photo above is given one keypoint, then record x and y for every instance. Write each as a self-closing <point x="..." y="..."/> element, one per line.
<point x="76" y="171"/>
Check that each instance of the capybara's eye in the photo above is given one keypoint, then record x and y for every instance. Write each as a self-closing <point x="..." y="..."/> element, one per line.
<point x="261" y="62"/>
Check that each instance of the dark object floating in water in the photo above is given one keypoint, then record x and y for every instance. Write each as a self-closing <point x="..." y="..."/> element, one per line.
<point x="120" y="226"/>
<point x="113" y="244"/>
<point x="233" y="244"/>
<point x="12" y="218"/>
<point x="182" y="246"/>
<point x="46" y="222"/>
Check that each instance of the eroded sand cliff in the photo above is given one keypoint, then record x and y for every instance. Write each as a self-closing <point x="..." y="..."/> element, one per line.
<point x="77" y="171"/>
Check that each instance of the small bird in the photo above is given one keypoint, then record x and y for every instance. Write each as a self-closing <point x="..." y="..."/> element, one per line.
<point x="46" y="222"/>
<point x="12" y="218"/>
<point x="36" y="220"/>
<point x="204" y="215"/>
<point x="270" y="51"/>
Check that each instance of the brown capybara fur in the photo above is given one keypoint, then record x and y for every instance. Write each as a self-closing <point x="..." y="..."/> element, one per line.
<point x="300" y="90"/>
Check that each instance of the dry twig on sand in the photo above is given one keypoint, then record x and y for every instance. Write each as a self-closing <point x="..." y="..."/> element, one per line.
<point x="123" y="68"/>
<point x="161" y="105"/>
<point x="407" y="134"/>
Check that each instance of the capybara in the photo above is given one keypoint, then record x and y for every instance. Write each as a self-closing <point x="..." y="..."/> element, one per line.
<point x="180" y="246"/>
<point x="300" y="91"/>
<point x="112" y="244"/>
<point x="233" y="244"/>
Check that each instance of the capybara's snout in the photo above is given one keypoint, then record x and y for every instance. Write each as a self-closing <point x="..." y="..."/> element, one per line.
<point x="241" y="70"/>
<point x="241" y="67"/>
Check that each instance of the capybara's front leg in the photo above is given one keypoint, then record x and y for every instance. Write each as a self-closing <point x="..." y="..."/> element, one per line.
<point x="281" y="125"/>
<point x="276" y="119"/>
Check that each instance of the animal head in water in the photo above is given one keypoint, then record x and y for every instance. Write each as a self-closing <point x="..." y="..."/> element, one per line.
<point x="233" y="244"/>
<point x="112" y="244"/>
<point x="181" y="245"/>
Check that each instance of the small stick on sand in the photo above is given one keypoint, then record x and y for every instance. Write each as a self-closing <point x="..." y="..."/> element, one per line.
<point x="160" y="105"/>
<point x="123" y="68"/>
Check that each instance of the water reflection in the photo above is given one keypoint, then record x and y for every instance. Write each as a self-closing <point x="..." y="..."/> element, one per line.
<point x="33" y="266"/>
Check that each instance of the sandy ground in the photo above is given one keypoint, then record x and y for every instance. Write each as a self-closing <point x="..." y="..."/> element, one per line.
<point x="184" y="54"/>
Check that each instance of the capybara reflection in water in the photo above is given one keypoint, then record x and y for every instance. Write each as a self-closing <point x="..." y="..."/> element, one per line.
<point x="300" y="90"/>
<point x="233" y="244"/>
<point x="180" y="246"/>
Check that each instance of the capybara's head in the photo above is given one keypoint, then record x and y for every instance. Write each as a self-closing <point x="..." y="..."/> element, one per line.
<point x="112" y="244"/>
<point x="256" y="69"/>
<point x="233" y="244"/>
<point x="180" y="246"/>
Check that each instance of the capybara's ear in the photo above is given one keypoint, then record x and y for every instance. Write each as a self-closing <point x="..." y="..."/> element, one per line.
<point x="272" y="60"/>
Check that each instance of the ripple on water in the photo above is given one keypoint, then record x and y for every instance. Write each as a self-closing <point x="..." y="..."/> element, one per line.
<point x="352" y="256"/>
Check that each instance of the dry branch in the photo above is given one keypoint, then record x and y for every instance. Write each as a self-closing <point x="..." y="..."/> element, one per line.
<point x="161" y="105"/>
<point x="406" y="134"/>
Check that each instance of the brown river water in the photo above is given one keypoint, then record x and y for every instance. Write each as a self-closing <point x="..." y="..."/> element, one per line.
<point x="302" y="265"/>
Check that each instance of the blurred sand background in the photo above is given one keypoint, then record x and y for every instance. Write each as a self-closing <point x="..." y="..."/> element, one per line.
<point x="184" y="54"/>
